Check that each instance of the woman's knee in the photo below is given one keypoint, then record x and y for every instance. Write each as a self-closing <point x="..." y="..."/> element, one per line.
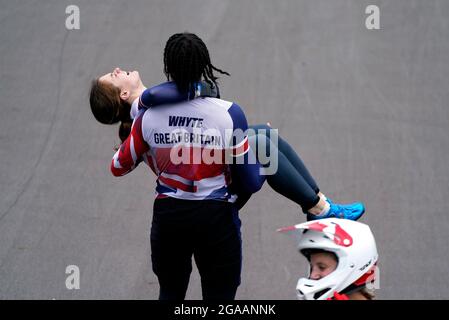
<point x="260" y="126"/>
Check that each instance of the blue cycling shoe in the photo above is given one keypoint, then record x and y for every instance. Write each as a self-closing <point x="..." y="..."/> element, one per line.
<point x="351" y="211"/>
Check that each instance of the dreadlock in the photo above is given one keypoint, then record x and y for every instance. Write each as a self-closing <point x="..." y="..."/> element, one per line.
<point x="186" y="60"/>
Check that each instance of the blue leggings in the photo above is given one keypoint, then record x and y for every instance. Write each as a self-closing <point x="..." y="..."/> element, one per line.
<point x="292" y="179"/>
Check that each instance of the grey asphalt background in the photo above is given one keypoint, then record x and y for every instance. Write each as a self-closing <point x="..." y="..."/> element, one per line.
<point x="367" y="110"/>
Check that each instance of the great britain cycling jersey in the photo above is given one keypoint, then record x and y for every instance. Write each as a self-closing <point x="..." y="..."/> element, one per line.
<point x="186" y="145"/>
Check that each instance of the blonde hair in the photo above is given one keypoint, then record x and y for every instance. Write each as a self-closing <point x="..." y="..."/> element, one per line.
<point x="368" y="293"/>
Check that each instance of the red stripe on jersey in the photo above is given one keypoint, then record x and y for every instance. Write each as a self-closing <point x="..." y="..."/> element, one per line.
<point x="187" y="169"/>
<point x="149" y="161"/>
<point x="124" y="154"/>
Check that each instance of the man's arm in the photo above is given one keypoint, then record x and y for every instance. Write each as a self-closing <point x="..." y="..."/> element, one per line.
<point x="131" y="151"/>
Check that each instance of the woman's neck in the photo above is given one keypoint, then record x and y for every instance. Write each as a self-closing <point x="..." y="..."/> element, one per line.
<point x="136" y="94"/>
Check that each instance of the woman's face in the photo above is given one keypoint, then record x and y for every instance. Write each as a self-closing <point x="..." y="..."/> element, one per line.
<point x="321" y="264"/>
<point x="126" y="81"/>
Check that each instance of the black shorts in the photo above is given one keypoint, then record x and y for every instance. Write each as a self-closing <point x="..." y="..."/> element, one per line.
<point x="207" y="229"/>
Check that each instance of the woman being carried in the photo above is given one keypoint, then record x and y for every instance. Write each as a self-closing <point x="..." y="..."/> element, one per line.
<point x="118" y="96"/>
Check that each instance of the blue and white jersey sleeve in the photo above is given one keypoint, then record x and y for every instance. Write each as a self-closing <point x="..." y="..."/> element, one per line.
<point x="245" y="169"/>
<point x="162" y="94"/>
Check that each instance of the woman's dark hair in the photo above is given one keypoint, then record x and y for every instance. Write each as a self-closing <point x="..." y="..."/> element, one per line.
<point x="186" y="59"/>
<point x="108" y="108"/>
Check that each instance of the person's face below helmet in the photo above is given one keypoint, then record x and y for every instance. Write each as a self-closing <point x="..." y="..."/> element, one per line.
<point x="127" y="81"/>
<point x="342" y="255"/>
<point x="321" y="265"/>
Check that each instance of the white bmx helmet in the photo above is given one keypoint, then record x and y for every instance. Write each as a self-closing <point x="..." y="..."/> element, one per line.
<point x="354" y="245"/>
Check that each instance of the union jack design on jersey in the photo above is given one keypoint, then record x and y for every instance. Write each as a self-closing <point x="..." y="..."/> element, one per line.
<point x="175" y="140"/>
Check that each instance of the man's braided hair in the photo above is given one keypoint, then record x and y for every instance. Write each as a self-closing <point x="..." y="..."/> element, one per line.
<point x="186" y="60"/>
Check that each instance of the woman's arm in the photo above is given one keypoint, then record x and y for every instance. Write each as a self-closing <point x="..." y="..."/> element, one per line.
<point x="168" y="93"/>
<point x="131" y="151"/>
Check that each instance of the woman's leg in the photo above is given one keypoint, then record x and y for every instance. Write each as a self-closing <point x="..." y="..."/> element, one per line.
<point x="287" y="180"/>
<point x="291" y="155"/>
<point x="294" y="181"/>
